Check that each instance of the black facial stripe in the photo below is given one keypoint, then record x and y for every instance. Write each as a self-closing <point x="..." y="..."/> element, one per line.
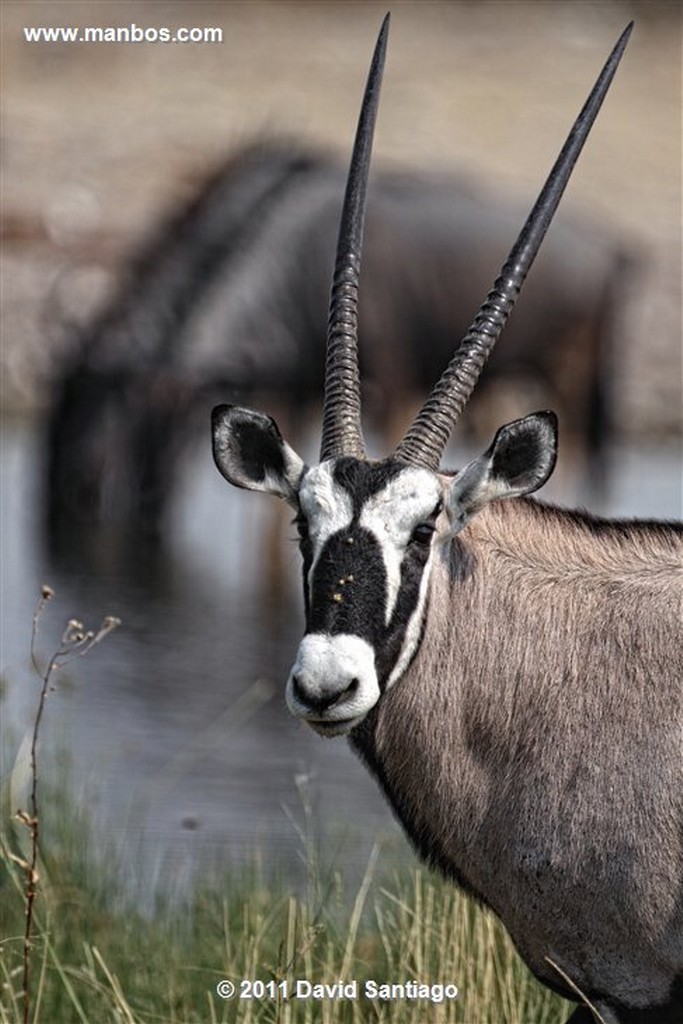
<point x="349" y="587"/>
<point x="307" y="556"/>
<point x="363" y="479"/>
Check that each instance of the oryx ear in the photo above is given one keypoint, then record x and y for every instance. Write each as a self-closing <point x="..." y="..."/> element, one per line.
<point x="519" y="460"/>
<point x="250" y="452"/>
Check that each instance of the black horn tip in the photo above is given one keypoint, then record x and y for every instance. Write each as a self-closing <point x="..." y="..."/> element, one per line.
<point x="342" y="432"/>
<point x="620" y="45"/>
<point x="427" y="438"/>
<point x="624" y="37"/>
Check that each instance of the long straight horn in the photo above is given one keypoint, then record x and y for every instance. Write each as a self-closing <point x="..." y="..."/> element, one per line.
<point x="426" y="440"/>
<point x="342" y="433"/>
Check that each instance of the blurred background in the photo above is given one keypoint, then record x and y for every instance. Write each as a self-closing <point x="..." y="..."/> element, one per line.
<point x="178" y="724"/>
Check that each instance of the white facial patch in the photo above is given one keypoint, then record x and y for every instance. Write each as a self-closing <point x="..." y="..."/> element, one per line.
<point x="327" y="506"/>
<point x="333" y="683"/>
<point x="411" y="637"/>
<point x="392" y="514"/>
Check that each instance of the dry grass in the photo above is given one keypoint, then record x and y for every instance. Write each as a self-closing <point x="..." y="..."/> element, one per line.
<point x="92" y="965"/>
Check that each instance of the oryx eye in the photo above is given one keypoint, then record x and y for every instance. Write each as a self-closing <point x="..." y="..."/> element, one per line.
<point x="301" y="524"/>
<point x="422" y="534"/>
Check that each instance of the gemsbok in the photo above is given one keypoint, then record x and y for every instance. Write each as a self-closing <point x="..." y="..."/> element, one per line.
<point x="511" y="673"/>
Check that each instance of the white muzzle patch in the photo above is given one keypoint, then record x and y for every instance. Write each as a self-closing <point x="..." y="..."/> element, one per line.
<point x="333" y="683"/>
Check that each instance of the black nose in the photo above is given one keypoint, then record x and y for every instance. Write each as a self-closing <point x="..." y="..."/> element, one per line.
<point x="325" y="701"/>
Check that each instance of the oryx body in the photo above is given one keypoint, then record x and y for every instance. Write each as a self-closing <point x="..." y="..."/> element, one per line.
<point x="511" y="673"/>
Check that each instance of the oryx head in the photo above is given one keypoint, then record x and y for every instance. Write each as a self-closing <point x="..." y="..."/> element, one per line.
<point x="369" y="529"/>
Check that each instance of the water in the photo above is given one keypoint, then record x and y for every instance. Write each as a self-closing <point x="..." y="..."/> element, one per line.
<point x="176" y="728"/>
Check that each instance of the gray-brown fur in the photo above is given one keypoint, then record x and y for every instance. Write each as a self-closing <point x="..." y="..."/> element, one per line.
<point x="534" y="749"/>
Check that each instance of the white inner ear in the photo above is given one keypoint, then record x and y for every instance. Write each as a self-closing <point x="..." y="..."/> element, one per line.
<point x="474" y="487"/>
<point x="470" y="490"/>
<point x="392" y="514"/>
<point x="287" y="485"/>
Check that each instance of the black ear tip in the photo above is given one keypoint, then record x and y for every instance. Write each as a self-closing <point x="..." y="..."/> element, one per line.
<point x="548" y="423"/>
<point x="549" y="427"/>
<point x="549" y="417"/>
<point x="235" y="419"/>
<point x="219" y="413"/>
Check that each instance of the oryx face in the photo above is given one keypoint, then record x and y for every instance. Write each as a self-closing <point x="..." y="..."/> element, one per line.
<point x="366" y="532"/>
<point x="370" y="532"/>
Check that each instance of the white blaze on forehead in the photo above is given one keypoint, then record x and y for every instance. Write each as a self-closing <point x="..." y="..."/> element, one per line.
<point x="326" y="505"/>
<point x="392" y="514"/>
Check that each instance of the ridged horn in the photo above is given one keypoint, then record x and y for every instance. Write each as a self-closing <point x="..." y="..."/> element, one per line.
<point x="341" y="432"/>
<point x="427" y="438"/>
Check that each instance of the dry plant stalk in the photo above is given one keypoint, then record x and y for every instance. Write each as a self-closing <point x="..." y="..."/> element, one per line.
<point x="75" y="642"/>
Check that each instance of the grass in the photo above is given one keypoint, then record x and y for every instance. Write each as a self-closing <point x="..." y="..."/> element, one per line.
<point x="96" y="958"/>
<point x="81" y="942"/>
